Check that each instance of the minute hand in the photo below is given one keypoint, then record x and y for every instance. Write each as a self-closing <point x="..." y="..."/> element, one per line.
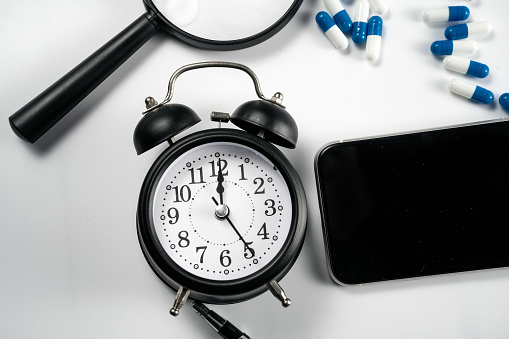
<point x="235" y="229"/>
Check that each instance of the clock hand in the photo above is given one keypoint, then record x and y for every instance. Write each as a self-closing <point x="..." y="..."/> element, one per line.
<point x="225" y="211"/>
<point x="220" y="180"/>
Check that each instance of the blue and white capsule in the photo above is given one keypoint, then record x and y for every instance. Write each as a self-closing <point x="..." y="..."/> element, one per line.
<point x="504" y="101"/>
<point x="451" y="13"/>
<point x="339" y="14"/>
<point x="471" y="91"/>
<point x="331" y="30"/>
<point x="463" y="31"/>
<point x="360" y="22"/>
<point x="448" y="47"/>
<point x="374" y="40"/>
<point x="466" y="66"/>
<point x="379" y="6"/>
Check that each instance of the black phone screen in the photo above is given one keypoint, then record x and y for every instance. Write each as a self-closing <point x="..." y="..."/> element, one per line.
<point x="416" y="204"/>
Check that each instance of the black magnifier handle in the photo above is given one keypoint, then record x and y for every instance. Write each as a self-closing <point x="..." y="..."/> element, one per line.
<point x="35" y="118"/>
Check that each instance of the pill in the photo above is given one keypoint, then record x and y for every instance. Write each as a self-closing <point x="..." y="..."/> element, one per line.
<point x="451" y="13"/>
<point x="374" y="39"/>
<point x="339" y="14"/>
<point x="465" y="66"/>
<point x="360" y="22"/>
<point x="504" y="101"/>
<point x="331" y="30"/>
<point x="463" y="31"/>
<point x="448" y="47"/>
<point x="379" y="6"/>
<point x="471" y="91"/>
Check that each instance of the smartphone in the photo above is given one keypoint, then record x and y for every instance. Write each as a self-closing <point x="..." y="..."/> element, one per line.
<point x="415" y="204"/>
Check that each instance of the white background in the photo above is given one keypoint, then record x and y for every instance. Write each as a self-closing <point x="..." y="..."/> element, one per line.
<point x="70" y="263"/>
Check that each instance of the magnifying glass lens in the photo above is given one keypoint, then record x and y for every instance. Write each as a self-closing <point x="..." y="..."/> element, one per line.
<point x="223" y="20"/>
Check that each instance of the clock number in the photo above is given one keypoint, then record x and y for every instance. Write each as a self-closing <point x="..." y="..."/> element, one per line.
<point x="184" y="242"/>
<point x="173" y="214"/>
<point x="222" y="166"/>
<point x="242" y="177"/>
<point x="201" y="248"/>
<point x="184" y="194"/>
<point x="199" y="171"/>
<point x="263" y="232"/>
<point x="259" y="182"/>
<point x="271" y="210"/>
<point x="225" y="259"/>
<point x="249" y="252"/>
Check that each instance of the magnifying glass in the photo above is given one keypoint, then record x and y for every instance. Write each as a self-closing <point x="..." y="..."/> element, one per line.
<point x="208" y="24"/>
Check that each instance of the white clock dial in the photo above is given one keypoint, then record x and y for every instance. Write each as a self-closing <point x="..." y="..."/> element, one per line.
<point x="222" y="211"/>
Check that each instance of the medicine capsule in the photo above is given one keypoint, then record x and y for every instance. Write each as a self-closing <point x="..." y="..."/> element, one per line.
<point x="451" y="13"/>
<point x="463" y="31"/>
<point x="360" y="22"/>
<point x="379" y="6"/>
<point x="448" y="47"/>
<point x="471" y="91"/>
<point x="504" y="101"/>
<point x="331" y="30"/>
<point x="374" y="39"/>
<point x="465" y="66"/>
<point x="339" y="14"/>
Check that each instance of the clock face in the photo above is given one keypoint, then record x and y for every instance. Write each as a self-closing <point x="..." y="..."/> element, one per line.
<point x="222" y="211"/>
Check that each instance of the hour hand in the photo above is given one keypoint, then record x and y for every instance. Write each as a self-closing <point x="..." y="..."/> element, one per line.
<point x="220" y="180"/>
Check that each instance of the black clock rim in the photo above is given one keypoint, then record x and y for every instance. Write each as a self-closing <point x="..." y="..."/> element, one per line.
<point x="210" y="290"/>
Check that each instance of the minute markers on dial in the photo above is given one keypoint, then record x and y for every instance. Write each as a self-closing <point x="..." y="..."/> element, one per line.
<point x="252" y="189"/>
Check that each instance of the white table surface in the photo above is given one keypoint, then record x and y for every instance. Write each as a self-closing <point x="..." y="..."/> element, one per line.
<point x="70" y="263"/>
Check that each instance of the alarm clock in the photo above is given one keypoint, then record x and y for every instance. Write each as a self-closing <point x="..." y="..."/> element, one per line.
<point x="221" y="215"/>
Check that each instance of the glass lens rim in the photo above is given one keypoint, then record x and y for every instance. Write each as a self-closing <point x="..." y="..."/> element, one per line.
<point x="225" y="45"/>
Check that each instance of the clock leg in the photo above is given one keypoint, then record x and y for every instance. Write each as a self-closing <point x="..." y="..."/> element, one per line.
<point x="278" y="292"/>
<point x="180" y="300"/>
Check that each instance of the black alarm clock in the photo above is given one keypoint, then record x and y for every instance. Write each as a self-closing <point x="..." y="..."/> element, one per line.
<point x="222" y="213"/>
